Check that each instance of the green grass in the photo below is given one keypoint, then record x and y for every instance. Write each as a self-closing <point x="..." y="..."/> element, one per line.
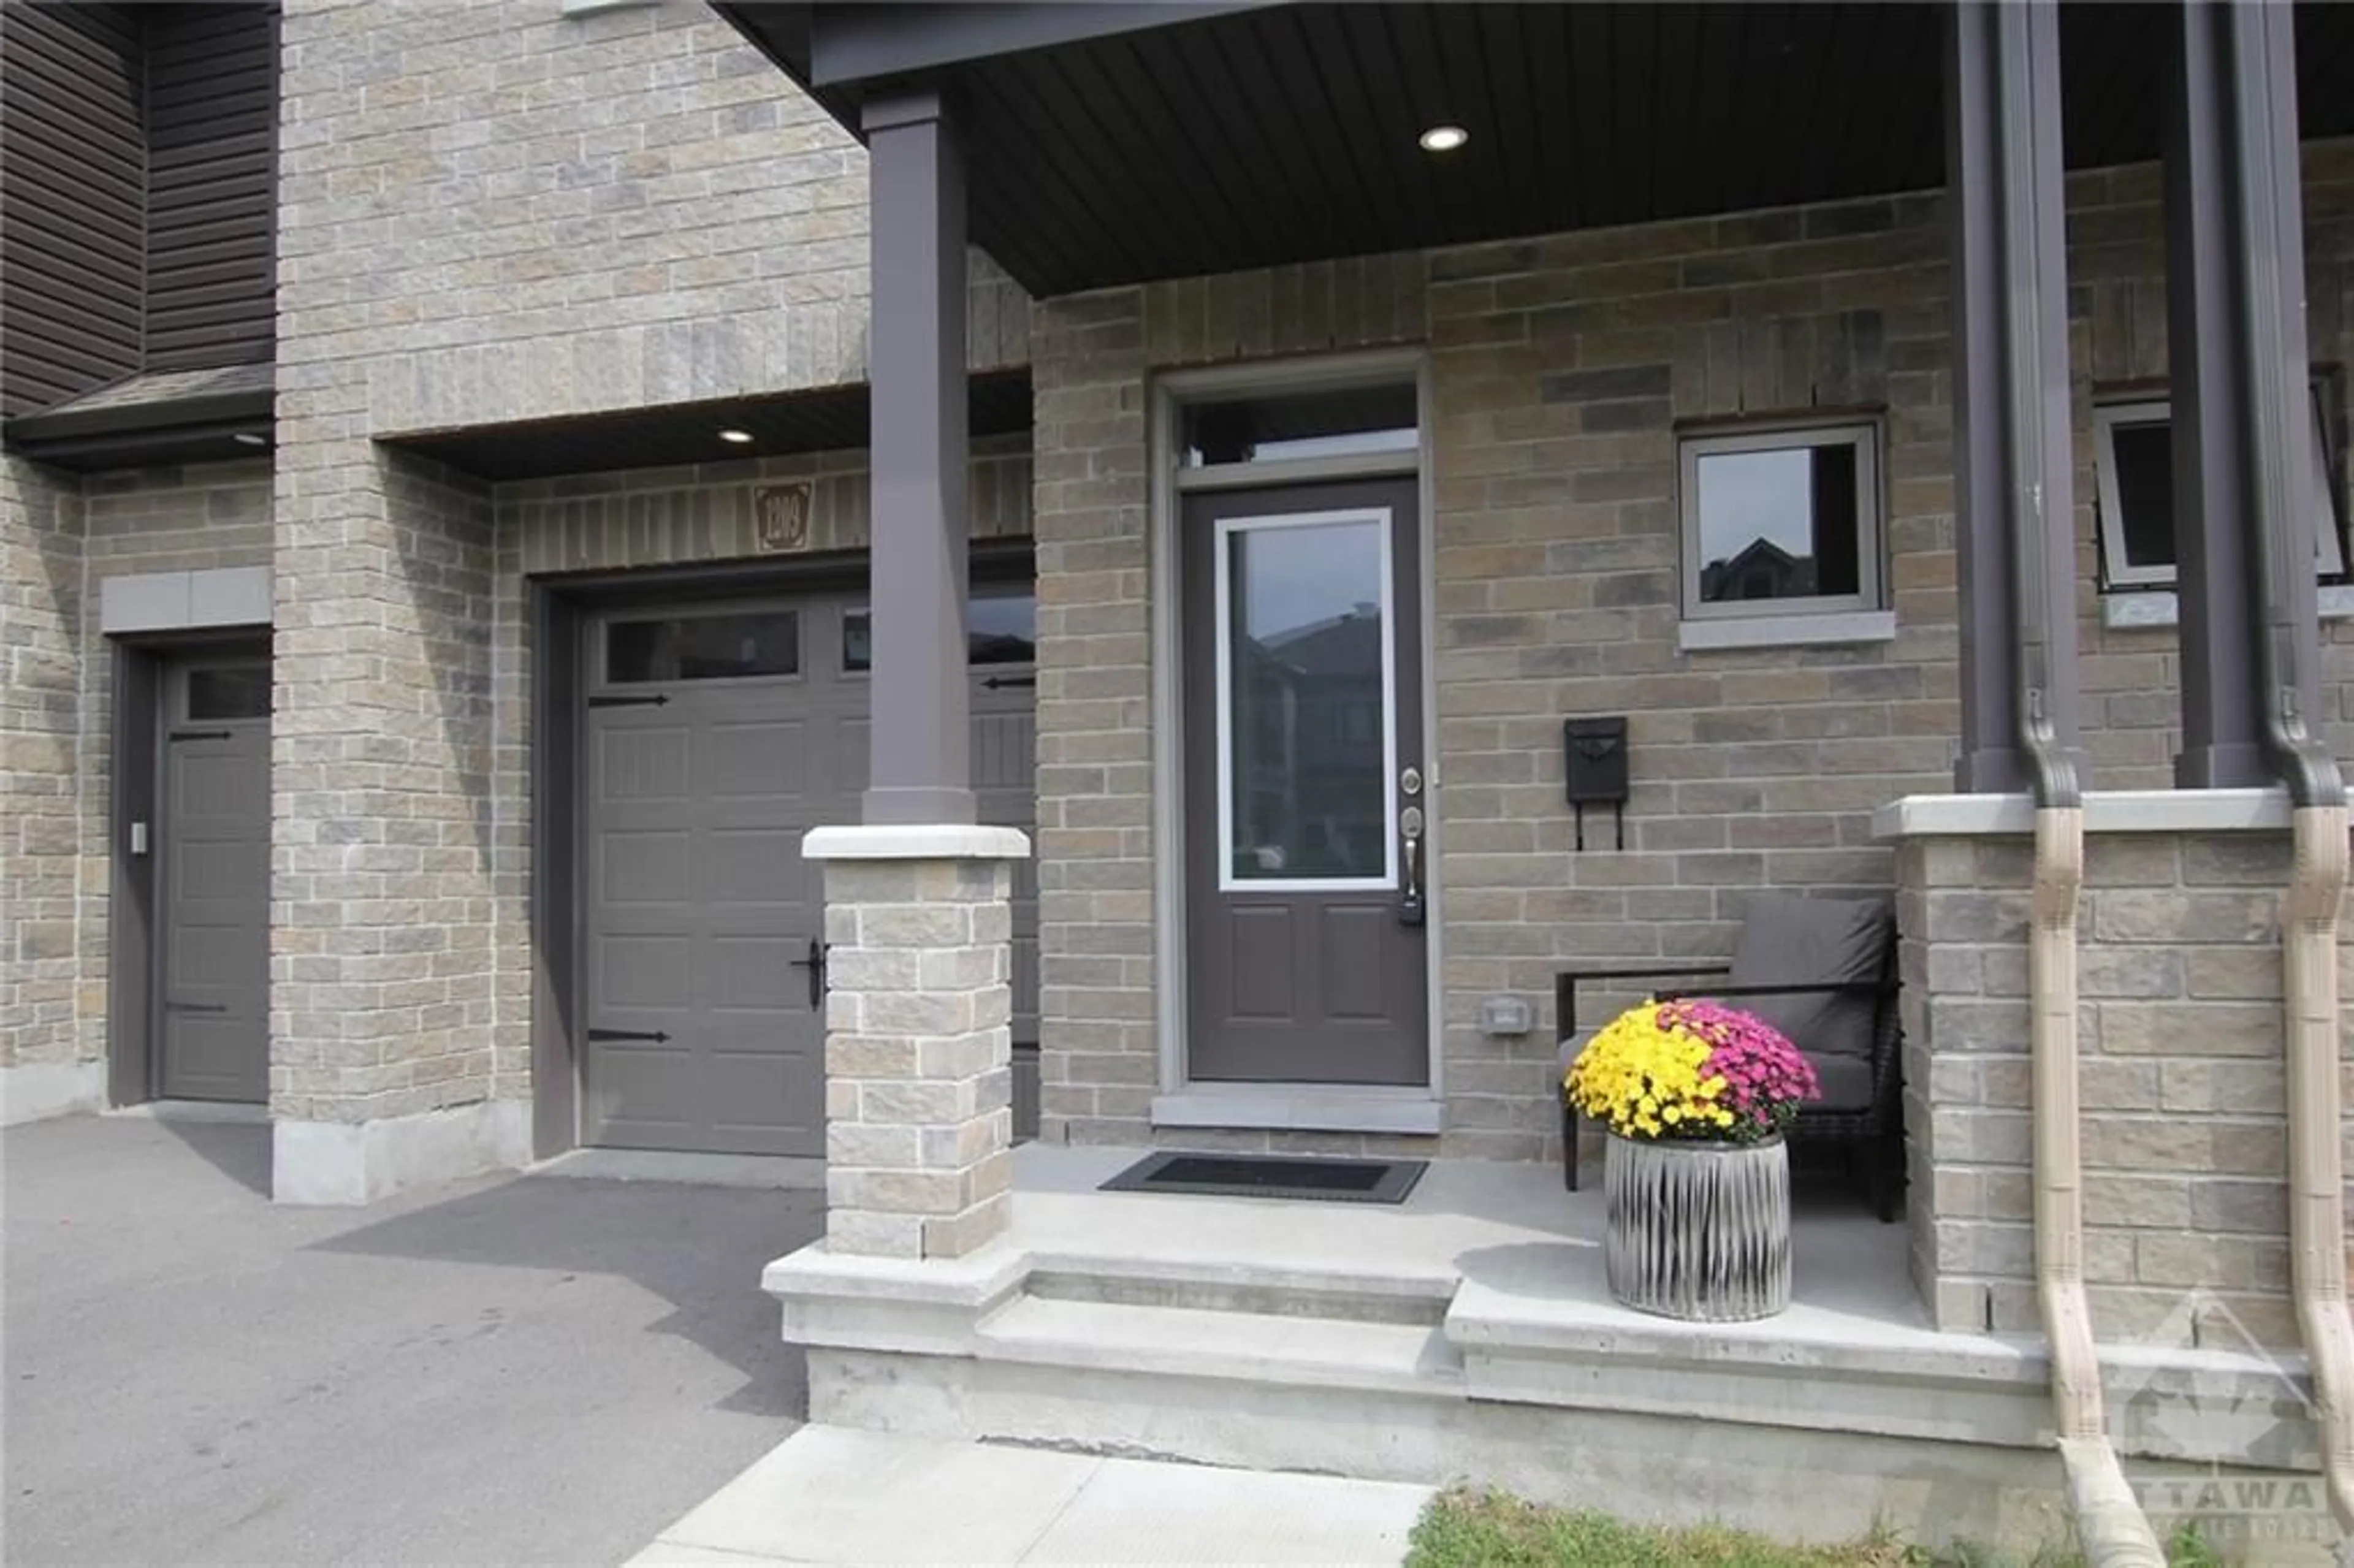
<point x="1490" y="1530"/>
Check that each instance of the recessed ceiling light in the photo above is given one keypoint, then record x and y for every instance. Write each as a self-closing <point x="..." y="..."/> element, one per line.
<point x="250" y="439"/>
<point x="1444" y="138"/>
<point x="738" y="437"/>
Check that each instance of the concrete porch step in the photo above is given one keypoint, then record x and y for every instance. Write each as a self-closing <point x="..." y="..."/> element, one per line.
<point x="1194" y="1342"/>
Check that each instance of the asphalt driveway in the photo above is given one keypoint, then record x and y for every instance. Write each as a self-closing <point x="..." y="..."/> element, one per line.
<point x="538" y="1368"/>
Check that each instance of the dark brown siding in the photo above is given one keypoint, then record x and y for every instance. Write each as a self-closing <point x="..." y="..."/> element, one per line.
<point x="72" y="164"/>
<point x="212" y="117"/>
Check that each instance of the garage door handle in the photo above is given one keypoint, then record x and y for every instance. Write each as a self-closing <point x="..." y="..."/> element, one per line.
<point x="815" y="964"/>
<point x="656" y="1035"/>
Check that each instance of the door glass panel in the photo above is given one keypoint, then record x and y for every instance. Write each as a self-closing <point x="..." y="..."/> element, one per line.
<point x="229" y="691"/>
<point x="1002" y="629"/>
<point x="730" y="647"/>
<point x="1306" y="714"/>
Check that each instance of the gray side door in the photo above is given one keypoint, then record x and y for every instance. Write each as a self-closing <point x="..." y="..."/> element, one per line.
<point x="213" y="841"/>
<point x="1305" y="953"/>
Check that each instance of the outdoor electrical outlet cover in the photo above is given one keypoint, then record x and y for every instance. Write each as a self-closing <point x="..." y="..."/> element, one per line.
<point x="1502" y="1016"/>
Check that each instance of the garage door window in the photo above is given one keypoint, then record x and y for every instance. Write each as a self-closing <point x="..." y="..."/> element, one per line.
<point x="734" y="646"/>
<point x="1002" y="629"/>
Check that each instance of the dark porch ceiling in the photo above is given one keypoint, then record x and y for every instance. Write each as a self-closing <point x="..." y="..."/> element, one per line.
<point x="1286" y="132"/>
<point x="832" y="419"/>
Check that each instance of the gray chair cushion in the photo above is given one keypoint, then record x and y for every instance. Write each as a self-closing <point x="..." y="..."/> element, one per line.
<point x="1846" y="1082"/>
<point x="1789" y="940"/>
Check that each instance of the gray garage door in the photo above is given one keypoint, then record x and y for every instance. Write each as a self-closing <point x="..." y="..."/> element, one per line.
<point x="214" y="845"/>
<point x="716" y="736"/>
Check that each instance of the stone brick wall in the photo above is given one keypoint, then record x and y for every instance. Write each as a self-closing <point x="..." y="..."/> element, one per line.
<point x="655" y="517"/>
<point x="41" y="600"/>
<point x="495" y="212"/>
<point x="381" y="898"/>
<point x="919" y="1084"/>
<point x="2185" y="1137"/>
<point x="1562" y="369"/>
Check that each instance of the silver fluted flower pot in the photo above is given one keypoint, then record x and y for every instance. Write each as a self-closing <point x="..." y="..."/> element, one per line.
<point x="1697" y="1231"/>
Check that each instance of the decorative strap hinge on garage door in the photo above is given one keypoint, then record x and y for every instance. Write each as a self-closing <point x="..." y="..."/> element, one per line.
<point x="200" y="734"/>
<point x="652" y="702"/>
<point x="656" y="1035"/>
<point x="997" y="682"/>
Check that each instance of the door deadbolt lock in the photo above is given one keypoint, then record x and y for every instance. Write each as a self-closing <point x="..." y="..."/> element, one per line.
<point x="1410" y="782"/>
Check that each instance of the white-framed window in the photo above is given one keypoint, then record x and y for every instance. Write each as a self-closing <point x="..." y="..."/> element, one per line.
<point x="2134" y="457"/>
<point x="1784" y="522"/>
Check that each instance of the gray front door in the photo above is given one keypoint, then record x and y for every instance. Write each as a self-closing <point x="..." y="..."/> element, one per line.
<point x="715" y="737"/>
<point x="213" y="841"/>
<point x="1305" y="946"/>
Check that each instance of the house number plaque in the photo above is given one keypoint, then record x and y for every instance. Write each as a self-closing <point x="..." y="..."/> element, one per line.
<point x="781" y="518"/>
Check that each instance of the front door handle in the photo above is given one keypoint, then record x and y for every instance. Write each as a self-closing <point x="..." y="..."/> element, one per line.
<point x="815" y="964"/>
<point x="1411" y="912"/>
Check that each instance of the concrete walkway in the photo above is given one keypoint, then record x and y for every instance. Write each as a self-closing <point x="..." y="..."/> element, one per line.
<point x="528" y="1370"/>
<point x="830" y="1495"/>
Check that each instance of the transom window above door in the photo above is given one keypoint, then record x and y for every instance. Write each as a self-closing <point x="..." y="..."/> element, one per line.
<point x="1280" y="427"/>
<point x="720" y="645"/>
<point x="1781" y="522"/>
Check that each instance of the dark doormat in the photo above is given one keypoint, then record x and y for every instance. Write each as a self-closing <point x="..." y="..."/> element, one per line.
<point x="1272" y="1176"/>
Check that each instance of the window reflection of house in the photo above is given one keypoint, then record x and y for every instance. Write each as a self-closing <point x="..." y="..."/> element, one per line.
<point x="1764" y="570"/>
<point x="1309" y="782"/>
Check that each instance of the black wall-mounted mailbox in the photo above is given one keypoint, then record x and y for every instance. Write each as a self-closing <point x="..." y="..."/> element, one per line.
<point x="1596" y="750"/>
<point x="1593" y="752"/>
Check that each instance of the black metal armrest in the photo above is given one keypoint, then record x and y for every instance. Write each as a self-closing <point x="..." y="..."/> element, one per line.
<point x="1565" y="992"/>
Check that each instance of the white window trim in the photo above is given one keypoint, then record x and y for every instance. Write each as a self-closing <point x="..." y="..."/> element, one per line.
<point x="2158" y="608"/>
<point x="2117" y="572"/>
<point x="1824" y="629"/>
<point x="1871" y="522"/>
<point x="1227" y="527"/>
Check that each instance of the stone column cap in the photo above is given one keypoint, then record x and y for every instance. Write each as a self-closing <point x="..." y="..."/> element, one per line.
<point x="926" y="840"/>
<point x="2106" y="812"/>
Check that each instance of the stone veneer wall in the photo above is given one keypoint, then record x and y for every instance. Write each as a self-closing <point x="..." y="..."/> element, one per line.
<point x="495" y="212"/>
<point x="2185" y="1137"/>
<point x="41" y="598"/>
<point x="1562" y="369"/>
<point x="381" y="903"/>
<point x="656" y="517"/>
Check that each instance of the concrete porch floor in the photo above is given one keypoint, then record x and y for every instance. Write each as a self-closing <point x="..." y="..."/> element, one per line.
<point x="1504" y="1233"/>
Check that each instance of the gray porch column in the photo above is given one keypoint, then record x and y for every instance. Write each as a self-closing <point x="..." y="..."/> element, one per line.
<point x="2012" y="526"/>
<point x="919" y="743"/>
<point x="2236" y="339"/>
